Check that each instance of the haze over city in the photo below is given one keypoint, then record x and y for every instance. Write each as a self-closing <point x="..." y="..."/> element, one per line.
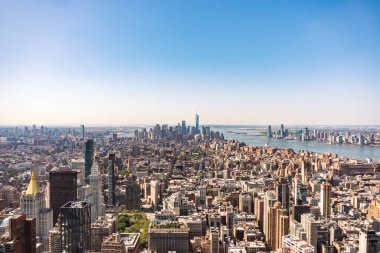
<point x="143" y="62"/>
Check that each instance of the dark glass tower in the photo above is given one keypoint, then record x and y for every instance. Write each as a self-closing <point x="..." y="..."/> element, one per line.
<point x="282" y="192"/>
<point x="196" y="123"/>
<point x="76" y="226"/>
<point x="62" y="189"/>
<point x="111" y="180"/>
<point x="88" y="159"/>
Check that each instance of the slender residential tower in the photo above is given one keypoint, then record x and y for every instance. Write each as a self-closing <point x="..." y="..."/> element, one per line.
<point x="325" y="203"/>
<point x="111" y="180"/>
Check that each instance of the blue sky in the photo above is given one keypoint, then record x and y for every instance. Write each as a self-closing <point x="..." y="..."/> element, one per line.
<point x="236" y="62"/>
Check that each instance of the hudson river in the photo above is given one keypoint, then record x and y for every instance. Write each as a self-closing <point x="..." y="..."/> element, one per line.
<point x="253" y="137"/>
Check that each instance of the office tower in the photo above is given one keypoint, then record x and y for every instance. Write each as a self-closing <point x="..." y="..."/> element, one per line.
<point x="165" y="237"/>
<point x="76" y="226"/>
<point x="368" y="241"/>
<point x="111" y="180"/>
<point x="88" y="159"/>
<point x="133" y="194"/>
<point x="214" y="240"/>
<point x="62" y="189"/>
<point x="32" y="203"/>
<point x="82" y="132"/>
<point x="245" y="203"/>
<point x="283" y="193"/>
<point x="22" y="235"/>
<point x="196" y="123"/>
<point x="96" y="184"/>
<point x="183" y="128"/>
<point x="269" y="131"/>
<point x="325" y="202"/>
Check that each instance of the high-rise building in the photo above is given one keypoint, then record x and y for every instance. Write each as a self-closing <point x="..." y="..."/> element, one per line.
<point x="269" y="201"/>
<point x="96" y="184"/>
<point x="325" y="203"/>
<point x="283" y="193"/>
<point x="155" y="193"/>
<point x="183" y="128"/>
<point x="32" y="203"/>
<point x="111" y="180"/>
<point x="168" y="236"/>
<point x="196" y="123"/>
<point x="368" y="241"/>
<point x="88" y="159"/>
<point x="269" y="131"/>
<point x="282" y="132"/>
<point x="62" y="189"/>
<point x="133" y="194"/>
<point x="76" y="227"/>
<point x="22" y="235"/>
<point x="82" y="132"/>
<point x="278" y="225"/>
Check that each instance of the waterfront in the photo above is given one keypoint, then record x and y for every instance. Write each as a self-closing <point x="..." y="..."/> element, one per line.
<point x="255" y="138"/>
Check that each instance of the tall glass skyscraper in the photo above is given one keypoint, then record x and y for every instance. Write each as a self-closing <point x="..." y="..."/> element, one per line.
<point x="88" y="159"/>
<point x="111" y="180"/>
<point x="76" y="226"/>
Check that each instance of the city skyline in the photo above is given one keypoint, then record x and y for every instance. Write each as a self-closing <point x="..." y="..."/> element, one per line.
<point x="252" y="63"/>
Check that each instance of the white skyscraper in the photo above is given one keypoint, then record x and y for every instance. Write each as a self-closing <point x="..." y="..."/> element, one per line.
<point x="32" y="203"/>
<point x="97" y="208"/>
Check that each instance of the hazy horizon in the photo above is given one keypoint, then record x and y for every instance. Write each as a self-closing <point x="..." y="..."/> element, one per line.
<point x="241" y="63"/>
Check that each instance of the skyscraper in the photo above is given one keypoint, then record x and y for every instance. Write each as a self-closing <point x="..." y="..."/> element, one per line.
<point x="97" y="206"/>
<point x="76" y="226"/>
<point x="32" y="203"/>
<point x="282" y="192"/>
<point x="282" y="132"/>
<point x="111" y="180"/>
<point x="269" y="131"/>
<point x="132" y="191"/>
<point x="88" y="159"/>
<point x="82" y="132"/>
<point x="62" y="189"/>
<point x="325" y="203"/>
<point x="196" y="123"/>
<point x="183" y="128"/>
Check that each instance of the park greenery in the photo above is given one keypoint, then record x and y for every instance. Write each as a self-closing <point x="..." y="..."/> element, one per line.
<point x="133" y="221"/>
